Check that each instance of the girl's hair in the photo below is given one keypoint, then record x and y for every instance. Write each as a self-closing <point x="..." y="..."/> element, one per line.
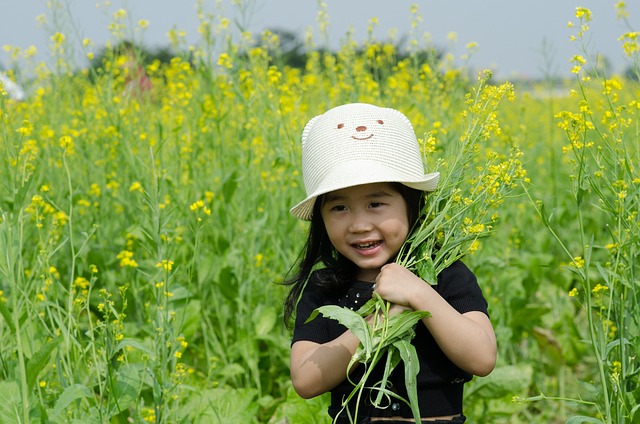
<point x="334" y="271"/>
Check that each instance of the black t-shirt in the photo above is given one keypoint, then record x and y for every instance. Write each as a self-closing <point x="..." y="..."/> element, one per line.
<point x="439" y="382"/>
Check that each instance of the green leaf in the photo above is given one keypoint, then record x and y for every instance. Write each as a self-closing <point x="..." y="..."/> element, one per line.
<point x="223" y="406"/>
<point x="136" y="345"/>
<point x="503" y="381"/>
<point x="350" y="319"/>
<point x="402" y="325"/>
<point x="369" y="307"/>
<point x="425" y="269"/>
<point x="582" y="419"/>
<point x="411" y="369"/>
<point x="38" y="361"/>
<point x="69" y="395"/>
<point x="126" y="389"/>
<point x="393" y="359"/>
<point x="298" y="410"/>
<point x="229" y="187"/>
<point x="579" y="197"/>
<point x="233" y="370"/>
<point x="4" y="311"/>
<point x="264" y="319"/>
<point x="10" y="402"/>
<point x="227" y="284"/>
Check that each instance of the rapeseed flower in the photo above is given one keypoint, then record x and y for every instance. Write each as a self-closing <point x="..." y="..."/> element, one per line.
<point x="165" y="264"/>
<point x="126" y="259"/>
<point x="599" y="288"/>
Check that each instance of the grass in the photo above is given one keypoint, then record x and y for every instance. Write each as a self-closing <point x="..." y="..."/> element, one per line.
<point x="144" y="235"/>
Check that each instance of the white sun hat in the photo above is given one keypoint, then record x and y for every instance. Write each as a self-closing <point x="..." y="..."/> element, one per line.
<point x="356" y="144"/>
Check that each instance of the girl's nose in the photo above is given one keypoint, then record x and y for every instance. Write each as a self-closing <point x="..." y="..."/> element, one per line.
<point x="359" y="224"/>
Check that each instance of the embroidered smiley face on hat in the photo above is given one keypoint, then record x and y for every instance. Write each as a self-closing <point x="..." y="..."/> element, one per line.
<point x="356" y="144"/>
<point x="362" y="132"/>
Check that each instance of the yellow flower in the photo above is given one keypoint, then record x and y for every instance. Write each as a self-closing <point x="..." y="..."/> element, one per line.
<point x="583" y="13"/>
<point x="57" y="39"/>
<point x="573" y="292"/>
<point x="224" y="60"/>
<point x="120" y="14"/>
<point x="26" y="128"/>
<point x="599" y="288"/>
<point x="578" y="262"/>
<point x="81" y="282"/>
<point x="616" y="367"/>
<point x="66" y="142"/>
<point x="136" y="186"/>
<point x="95" y="190"/>
<point x="196" y="205"/>
<point x="165" y="264"/>
<point x="126" y="259"/>
<point x="60" y="219"/>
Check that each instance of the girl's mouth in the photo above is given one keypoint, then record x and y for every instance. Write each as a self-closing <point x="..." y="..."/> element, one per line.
<point x="367" y="245"/>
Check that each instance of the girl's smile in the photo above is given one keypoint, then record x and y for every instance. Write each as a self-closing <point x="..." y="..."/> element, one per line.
<point x="367" y="224"/>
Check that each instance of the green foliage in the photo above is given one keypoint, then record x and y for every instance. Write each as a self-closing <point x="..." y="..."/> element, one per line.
<point x="144" y="233"/>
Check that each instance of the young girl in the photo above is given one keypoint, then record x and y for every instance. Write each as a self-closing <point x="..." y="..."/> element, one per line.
<point x="365" y="180"/>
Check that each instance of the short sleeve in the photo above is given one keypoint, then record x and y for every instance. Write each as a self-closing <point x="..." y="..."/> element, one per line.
<point x="317" y="329"/>
<point x="459" y="286"/>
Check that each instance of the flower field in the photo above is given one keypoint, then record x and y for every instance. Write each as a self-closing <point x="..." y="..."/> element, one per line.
<point x="145" y="233"/>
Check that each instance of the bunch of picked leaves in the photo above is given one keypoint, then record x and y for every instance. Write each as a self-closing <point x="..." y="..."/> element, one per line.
<point x="385" y="333"/>
<point x="474" y="181"/>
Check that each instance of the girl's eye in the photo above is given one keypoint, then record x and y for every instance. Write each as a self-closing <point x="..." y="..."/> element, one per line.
<point x="375" y="204"/>
<point x="338" y="208"/>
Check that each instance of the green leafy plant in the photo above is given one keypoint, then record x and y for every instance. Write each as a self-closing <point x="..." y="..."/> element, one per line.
<point x="602" y="152"/>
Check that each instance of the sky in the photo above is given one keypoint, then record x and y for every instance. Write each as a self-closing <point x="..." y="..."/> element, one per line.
<point x="515" y="38"/>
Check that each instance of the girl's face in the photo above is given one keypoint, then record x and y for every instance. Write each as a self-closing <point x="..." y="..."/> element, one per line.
<point x="367" y="224"/>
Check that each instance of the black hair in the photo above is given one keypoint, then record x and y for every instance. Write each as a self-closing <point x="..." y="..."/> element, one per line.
<point x="333" y="270"/>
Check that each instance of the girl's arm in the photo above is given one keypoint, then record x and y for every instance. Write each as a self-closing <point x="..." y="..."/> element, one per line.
<point x="467" y="339"/>
<point x="317" y="368"/>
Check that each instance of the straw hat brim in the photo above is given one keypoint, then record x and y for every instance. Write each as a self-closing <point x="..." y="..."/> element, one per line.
<point x="354" y="173"/>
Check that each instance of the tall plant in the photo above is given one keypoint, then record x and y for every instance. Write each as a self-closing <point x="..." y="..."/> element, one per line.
<point x="602" y="150"/>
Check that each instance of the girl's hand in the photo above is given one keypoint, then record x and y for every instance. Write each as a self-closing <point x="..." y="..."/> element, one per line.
<point x="398" y="285"/>
<point x="467" y="339"/>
